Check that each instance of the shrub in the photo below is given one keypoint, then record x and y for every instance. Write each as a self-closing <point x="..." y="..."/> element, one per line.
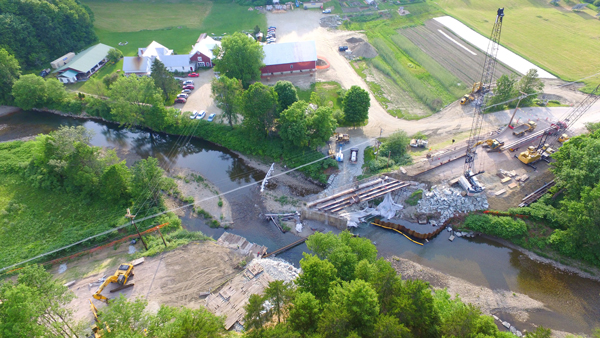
<point x="220" y="203"/>
<point x="504" y="227"/>
<point x="414" y="198"/>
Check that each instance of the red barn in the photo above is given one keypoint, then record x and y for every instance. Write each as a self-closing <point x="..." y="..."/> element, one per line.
<point x="201" y="54"/>
<point x="289" y="57"/>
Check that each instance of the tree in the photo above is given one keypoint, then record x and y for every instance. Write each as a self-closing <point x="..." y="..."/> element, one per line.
<point x="10" y="70"/>
<point x="414" y="307"/>
<point x="359" y="301"/>
<point x="227" y="94"/>
<point x="317" y="276"/>
<point x="260" y="109"/>
<point x="356" y="105"/>
<point x="147" y="181"/>
<point x="56" y="93"/>
<point x="29" y="92"/>
<point x="286" y="94"/>
<point x="164" y="80"/>
<point x="131" y="319"/>
<point x="293" y="124"/>
<point x="529" y="84"/>
<point x="539" y="332"/>
<point x="505" y="89"/>
<point x="278" y="294"/>
<point x="255" y="317"/>
<point x="115" y="183"/>
<point x="304" y="312"/>
<point x="36" y="306"/>
<point x="133" y="97"/>
<point x="114" y="55"/>
<point x="321" y="125"/>
<point x="395" y="146"/>
<point x="239" y="57"/>
<point x="389" y="327"/>
<point x="109" y="80"/>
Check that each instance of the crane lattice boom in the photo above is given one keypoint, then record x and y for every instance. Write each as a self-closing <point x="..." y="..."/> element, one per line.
<point x="487" y="78"/>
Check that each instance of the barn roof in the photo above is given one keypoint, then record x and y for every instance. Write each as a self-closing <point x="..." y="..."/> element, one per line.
<point x="205" y="45"/>
<point x="289" y="52"/>
<point x="84" y="61"/>
<point x="175" y="60"/>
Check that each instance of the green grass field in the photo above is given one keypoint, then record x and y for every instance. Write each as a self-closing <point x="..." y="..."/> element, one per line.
<point x="174" y="24"/>
<point x="33" y="221"/>
<point x="559" y="40"/>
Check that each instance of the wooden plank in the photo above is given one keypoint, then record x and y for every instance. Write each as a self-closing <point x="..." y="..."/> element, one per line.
<point x="500" y="192"/>
<point x="309" y="205"/>
<point x="506" y="179"/>
<point x="138" y="261"/>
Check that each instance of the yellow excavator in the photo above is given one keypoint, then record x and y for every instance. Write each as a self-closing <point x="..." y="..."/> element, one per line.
<point x="491" y="144"/>
<point x="563" y="138"/>
<point x="477" y="86"/>
<point x="123" y="274"/>
<point x="533" y="154"/>
<point x="96" y="329"/>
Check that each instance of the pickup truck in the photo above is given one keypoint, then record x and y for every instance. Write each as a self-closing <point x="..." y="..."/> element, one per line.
<point x="353" y="155"/>
<point x="343" y="48"/>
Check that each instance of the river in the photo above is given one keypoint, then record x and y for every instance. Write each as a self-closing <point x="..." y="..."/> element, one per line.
<point x="572" y="302"/>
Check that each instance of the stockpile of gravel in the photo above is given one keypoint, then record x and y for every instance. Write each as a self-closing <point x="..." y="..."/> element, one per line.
<point x="364" y="50"/>
<point x="355" y="40"/>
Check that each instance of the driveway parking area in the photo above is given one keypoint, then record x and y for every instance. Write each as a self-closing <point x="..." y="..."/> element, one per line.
<point x="200" y="98"/>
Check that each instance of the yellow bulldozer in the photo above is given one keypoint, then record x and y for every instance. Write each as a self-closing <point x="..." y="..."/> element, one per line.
<point x="123" y="274"/>
<point x="477" y="86"/>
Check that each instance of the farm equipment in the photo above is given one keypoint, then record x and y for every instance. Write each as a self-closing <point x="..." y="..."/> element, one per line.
<point x="523" y="128"/>
<point x="341" y="138"/>
<point x="353" y="155"/>
<point x="477" y="86"/>
<point x="121" y="276"/>
<point x="418" y="143"/>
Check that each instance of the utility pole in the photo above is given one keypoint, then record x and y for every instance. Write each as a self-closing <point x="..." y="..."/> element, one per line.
<point x="161" y="236"/>
<point x="523" y="95"/>
<point x="131" y="217"/>
<point x="389" y="155"/>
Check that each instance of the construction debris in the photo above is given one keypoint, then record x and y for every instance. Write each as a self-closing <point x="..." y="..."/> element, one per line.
<point x="239" y="243"/>
<point x="386" y="209"/>
<point x="448" y="201"/>
<point x="331" y="21"/>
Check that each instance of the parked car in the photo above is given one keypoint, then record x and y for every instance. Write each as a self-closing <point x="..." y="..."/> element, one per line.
<point x="182" y="95"/>
<point x="211" y="117"/>
<point x="188" y="82"/>
<point x="194" y="114"/>
<point x="201" y="115"/>
<point x="343" y="48"/>
<point x="193" y="75"/>
<point x="180" y="100"/>
<point x="272" y="27"/>
<point x="190" y="87"/>
<point x="186" y="91"/>
<point x="327" y="11"/>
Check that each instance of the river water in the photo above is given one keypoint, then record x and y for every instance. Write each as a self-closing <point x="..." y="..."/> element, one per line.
<point x="573" y="302"/>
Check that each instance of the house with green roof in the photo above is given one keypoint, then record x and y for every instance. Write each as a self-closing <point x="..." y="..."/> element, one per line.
<point x="84" y="64"/>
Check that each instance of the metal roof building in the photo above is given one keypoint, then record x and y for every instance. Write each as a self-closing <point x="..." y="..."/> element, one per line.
<point x="289" y="57"/>
<point x="85" y="63"/>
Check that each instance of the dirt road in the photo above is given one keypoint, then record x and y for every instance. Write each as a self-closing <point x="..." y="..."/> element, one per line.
<point x="453" y="120"/>
<point x="174" y="278"/>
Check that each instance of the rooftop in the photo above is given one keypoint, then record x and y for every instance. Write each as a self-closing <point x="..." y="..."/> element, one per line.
<point x="136" y="64"/>
<point x="290" y="52"/>
<point x="87" y="59"/>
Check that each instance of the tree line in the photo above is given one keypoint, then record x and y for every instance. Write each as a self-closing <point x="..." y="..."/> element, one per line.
<point x="37" y="32"/>
<point x="344" y="290"/>
<point x="510" y="87"/>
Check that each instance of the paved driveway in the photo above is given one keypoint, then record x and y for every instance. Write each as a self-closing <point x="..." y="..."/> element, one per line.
<point x="200" y="98"/>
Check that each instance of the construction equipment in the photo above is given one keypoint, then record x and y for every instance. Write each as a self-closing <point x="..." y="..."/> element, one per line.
<point x="96" y="329"/>
<point x="477" y="86"/>
<point x="491" y="144"/>
<point x="341" y="138"/>
<point x="520" y="130"/>
<point x="468" y="180"/>
<point x="418" y="143"/>
<point x="123" y="274"/>
<point x="552" y="134"/>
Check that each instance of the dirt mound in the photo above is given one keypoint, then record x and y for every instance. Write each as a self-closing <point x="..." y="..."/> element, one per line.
<point x="365" y="50"/>
<point x="354" y="40"/>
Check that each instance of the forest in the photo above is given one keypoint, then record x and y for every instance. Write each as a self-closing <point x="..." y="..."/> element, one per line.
<point x="38" y="32"/>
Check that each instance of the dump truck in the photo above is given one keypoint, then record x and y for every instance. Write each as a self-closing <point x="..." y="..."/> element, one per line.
<point x="477" y="86"/>
<point x="418" y="143"/>
<point x="523" y="128"/>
